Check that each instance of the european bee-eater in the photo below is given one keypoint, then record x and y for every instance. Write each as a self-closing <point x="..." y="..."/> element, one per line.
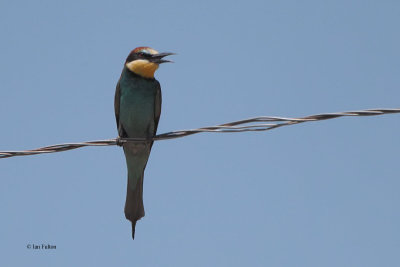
<point x="137" y="110"/>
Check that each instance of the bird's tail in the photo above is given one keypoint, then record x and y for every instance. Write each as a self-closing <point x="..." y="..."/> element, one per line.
<point x="136" y="155"/>
<point x="134" y="209"/>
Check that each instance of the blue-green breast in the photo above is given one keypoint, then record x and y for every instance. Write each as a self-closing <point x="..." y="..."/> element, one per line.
<point x="137" y="102"/>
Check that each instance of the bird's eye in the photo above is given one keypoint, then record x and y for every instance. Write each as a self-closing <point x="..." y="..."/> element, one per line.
<point x="141" y="54"/>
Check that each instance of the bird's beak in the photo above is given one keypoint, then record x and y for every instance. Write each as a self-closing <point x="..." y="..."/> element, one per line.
<point x="158" y="58"/>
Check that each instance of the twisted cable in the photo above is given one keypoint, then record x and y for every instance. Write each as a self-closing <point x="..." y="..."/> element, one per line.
<point x="252" y="124"/>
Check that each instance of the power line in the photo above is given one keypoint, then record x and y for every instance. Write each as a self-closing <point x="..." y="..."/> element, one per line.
<point x="247" y="125"/>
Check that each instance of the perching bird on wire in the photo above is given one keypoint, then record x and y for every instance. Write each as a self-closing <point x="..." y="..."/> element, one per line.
<point x="137" y="110"/>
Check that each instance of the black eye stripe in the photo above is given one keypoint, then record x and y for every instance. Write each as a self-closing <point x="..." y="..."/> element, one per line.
<point x="138" y="55"/>
<point x="144" y="55"/>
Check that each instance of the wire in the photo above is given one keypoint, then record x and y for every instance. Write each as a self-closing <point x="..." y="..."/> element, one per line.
<point x="230" y="127"/>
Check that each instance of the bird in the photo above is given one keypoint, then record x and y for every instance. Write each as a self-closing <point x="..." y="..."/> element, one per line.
<point x="137" y="107"/>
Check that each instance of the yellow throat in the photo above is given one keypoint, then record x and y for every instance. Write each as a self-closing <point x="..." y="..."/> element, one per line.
<point x="143" y="67"/>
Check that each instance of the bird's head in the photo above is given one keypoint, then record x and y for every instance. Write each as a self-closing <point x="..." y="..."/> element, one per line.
<point x="144" y="61"/>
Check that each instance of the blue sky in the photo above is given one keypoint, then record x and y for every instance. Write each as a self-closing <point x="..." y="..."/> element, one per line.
<point x="317" y="194"/>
